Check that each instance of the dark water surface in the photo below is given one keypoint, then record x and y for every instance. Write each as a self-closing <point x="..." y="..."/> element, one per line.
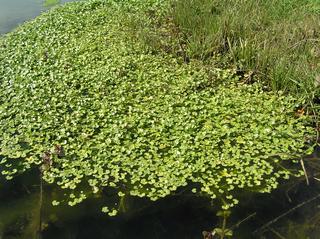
<point x="180" y="217"/>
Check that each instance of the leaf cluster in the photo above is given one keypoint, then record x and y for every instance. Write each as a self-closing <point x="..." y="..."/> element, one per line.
<point x="128" y="119"/>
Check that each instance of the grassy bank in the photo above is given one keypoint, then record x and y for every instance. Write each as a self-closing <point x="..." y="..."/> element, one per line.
<point x="275" y="42"/>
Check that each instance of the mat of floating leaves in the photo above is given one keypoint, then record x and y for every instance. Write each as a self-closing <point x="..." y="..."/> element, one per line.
<point x="81" y="97"/>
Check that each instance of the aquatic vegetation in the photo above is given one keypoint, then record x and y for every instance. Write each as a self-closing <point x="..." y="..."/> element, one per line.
<point x="48" y="3"/>
<point x="83" y="98"/>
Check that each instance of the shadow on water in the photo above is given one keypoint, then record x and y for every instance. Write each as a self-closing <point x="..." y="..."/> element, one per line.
<point x="291" y="212"/>
<point x="176" y="217"/>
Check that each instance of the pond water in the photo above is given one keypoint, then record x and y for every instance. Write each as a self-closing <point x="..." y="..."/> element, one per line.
<point x="23" y="210"/>
<point x="15" y="12"/>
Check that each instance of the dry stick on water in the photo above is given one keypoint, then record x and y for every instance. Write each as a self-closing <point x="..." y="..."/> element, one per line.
<point x="305" y="171"/>
<point x="267" y="225"/>
<point x="25" y="188"/>
<point x="46" y="164"/>
<point x="39" y="234"/>
<point x="316" y="179"/>
<point x="243" y="220"/>
<point x="276" y="233"/>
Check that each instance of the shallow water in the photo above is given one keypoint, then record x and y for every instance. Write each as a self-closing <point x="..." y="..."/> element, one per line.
<point x="15" y="12"/>
<point x="171" y="218"/>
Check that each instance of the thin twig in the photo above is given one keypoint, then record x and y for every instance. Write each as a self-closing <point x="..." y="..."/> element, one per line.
<point x="287" y="192"/>
<point x="277" y="233"/>
<point x="40" y="207"/>
<point x="305" y="171"/>
<point x="243" y="220"/>
<point x="316" y="179"/>
<point x="27" y="190"/>
<point x="286" y="213"/>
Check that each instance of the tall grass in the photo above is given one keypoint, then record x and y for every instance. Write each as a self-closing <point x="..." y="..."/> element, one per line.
<point x="275" y="41"/>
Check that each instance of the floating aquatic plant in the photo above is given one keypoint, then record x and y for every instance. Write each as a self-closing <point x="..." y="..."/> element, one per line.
<point x="82" y="97"/>
<point x="49" y="3"/>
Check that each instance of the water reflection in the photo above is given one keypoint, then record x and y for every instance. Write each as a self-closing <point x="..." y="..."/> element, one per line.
<point x="15" y="12"/>
<point x="180" y="217"/>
